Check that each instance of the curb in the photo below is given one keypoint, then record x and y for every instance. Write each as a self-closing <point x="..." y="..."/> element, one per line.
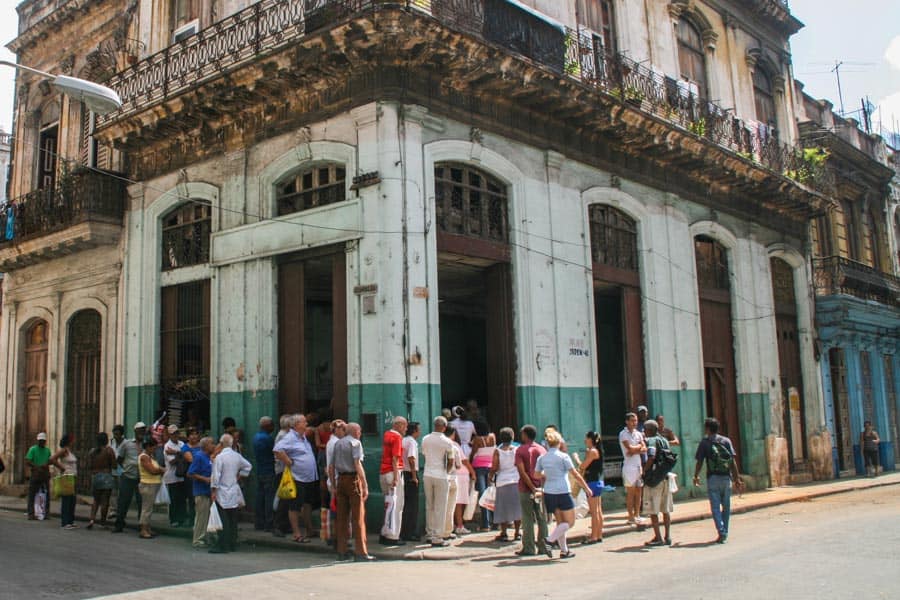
<point x="451" y="553"/>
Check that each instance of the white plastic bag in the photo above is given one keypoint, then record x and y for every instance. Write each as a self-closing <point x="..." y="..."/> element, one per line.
<point x="582" y="509"/>
<point x="162" y="496"/>
<point x="489" y="498"/>
<point x="673" y="486"/>
<point x="214" y="525"/>
<point x="469" y="511"/>
<point x="275" y="503"/>
<point x="40" y="505"/>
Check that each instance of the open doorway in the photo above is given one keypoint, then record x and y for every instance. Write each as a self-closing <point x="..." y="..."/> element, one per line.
<point x="312" y="335"/>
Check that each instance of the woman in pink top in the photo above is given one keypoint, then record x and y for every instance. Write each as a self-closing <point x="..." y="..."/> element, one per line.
<point x="483" y="446"/>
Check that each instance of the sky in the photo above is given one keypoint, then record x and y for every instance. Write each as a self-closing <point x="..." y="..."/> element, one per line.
<point x="864" y="34"/>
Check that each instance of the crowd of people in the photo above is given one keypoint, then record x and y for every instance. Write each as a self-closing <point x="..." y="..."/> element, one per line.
<point x="508" y="482"/>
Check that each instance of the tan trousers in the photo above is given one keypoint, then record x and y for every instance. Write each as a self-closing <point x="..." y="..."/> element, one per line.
<point x="451" y="506"/>
<point x="148" y="498"/>
<point x="435" y="507"/>
<point x="201" y="520"/>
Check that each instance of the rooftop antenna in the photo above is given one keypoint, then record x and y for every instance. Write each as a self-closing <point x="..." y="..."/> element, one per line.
<point x="836" y="69"/>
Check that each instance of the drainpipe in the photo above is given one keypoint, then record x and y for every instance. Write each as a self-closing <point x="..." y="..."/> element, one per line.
<point x="401" y="141"/>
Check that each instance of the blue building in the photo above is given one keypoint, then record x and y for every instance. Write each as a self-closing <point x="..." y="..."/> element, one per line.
<point x="857" y="289"/>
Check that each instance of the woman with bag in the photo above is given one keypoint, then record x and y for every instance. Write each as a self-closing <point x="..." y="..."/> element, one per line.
<point x="507" y="507"/>
<point x="483" y="446"/>
<point x="555" y="467"/>
<point x="592" y="471"/>
<point x="67" y="463"/>
<point x="151" y="480"/>
<point x="464" y="475"/>
<point x="103" y="462"/>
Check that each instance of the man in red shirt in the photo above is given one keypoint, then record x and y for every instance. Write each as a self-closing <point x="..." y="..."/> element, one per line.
<point x="391" y="482"/>
<point x="529" y="493"/>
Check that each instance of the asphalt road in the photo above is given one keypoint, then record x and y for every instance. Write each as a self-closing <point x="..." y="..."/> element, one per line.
<point x="841" y="546"/>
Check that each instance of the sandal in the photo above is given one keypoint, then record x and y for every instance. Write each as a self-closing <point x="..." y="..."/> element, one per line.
<point x="592" y="542"/>
<point x="90" y="524"/>
<point x="301" y="539"/>
<point x="654" y="543"/>
<point x="517" y="537"/>
<point x="502" y="538"/>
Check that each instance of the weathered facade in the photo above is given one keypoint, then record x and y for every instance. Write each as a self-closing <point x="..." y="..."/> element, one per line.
<point x="857" y="288"/>
<point x="385" y="208"/>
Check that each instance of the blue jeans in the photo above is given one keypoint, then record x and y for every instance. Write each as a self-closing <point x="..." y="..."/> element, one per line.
<point x="265" y="497"/>
<point x="481" y="484"/>
<point x="719" y="489"/>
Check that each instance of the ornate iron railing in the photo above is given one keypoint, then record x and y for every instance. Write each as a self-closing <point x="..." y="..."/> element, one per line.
<point x="272" y="24"/>
<point x="78" y="197"/>
<point x="837" y="275"/>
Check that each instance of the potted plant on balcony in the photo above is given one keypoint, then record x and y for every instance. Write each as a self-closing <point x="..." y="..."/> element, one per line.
<point x="808" y="162"/>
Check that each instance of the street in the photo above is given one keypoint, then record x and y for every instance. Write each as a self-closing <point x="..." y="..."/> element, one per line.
<point x="837" y="546"/>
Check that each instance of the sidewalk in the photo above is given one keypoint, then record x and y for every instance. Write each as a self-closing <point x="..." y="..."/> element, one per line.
<point x="478" y="545"/>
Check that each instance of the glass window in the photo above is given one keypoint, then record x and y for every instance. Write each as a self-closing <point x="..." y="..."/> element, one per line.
<point x="691" y="59"/>
<point x="765" y="98"/>
<point x="314" y="186"/>
<point x="712" y="264"/>
<point x="470" y="202"/>
<point x="613" y="238"/>
<point x="185" y="236"/>
<point x="597" y="15"/>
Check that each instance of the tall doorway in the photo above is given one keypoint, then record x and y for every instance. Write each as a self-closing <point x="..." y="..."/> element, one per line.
<point x="789" y="364"/>
<point x="617" y="310"/>
<point x="34" y="388"/>
<point x="843" y="434"/>
<point x="82" y="410"/>
<point x="714" y="289"/>
<point x="312" y="333"/>
<point x="475" y="308"/>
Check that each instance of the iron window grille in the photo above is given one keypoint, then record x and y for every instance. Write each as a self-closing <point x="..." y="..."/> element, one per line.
<point x="470" y="202"/>
<point x="315" y="186"/>
<point x="185" y="236"/>
<point x="712" y="264"/>
<point x="613" y="238"/>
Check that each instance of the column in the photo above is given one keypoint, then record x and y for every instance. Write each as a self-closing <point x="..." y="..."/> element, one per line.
<point x="854" y="400"/>
<point x="828" y="393"/>
<point x="882" y="422"/>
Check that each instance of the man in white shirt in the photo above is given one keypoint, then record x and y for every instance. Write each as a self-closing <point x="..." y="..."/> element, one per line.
<point x="177" y="492"/>
<point x="439" y="453"/>
<point x="632" y="443"/>
<point x="228" y="468"/>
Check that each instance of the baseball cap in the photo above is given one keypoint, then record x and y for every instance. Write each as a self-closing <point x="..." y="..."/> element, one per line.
<point x="642" y="408"/>
<point x="173" y="428"/>
<point x="42" y="436"/>
<point x="140" y="425"/>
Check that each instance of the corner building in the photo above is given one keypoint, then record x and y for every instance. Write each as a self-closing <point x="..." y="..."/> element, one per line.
<point x="384" y="208"/>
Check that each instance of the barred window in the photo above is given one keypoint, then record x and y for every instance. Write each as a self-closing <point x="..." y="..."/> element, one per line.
<point x="185" y="351"/>
<point x="470" y="202"/>
<point x="185" y="236"/>
<point x="613" y="238"/>
<point x="712" y="263"/>
<point x="312" y="187"/>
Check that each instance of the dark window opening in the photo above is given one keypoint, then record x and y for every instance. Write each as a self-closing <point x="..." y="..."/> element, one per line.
<point x="613" y="238"/>
<point x="712" y="264"/>
<point x="185" y="236"/>
<point x="47" y="147"/>
<point x="764" y="97"/>
<point x="315" y="186"/>
<point x="470" y="202"/>
<point x="691" y="57"/>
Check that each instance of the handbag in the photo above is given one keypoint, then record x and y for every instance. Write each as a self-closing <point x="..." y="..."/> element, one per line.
<point x="62" y="485"/>
<point x="162" y="496"/>
<point x="214" y="525"/>
<point x="287" y="489"/>
<point x="488" y="499"/>
<point x="469" y="511"/>
<point x="102" y="481"/>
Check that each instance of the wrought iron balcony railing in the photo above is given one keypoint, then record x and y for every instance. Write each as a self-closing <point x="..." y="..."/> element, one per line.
<point x="269" y="25"/>
<point x="78" y="197"/>
<point x="837" y="275"/>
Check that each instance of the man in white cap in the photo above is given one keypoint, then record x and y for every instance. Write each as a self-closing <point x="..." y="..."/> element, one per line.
<point x="38" y="461"/>
<point x="127" y="455"/>
<point x="173" y="452"/>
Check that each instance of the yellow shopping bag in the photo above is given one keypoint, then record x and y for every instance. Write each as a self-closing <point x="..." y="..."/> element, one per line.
<point x="287" y="489"/>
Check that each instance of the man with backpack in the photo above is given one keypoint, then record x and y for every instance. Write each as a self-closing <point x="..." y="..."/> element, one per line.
<point x="721" y="470"/>
<point x="657" y="493"/>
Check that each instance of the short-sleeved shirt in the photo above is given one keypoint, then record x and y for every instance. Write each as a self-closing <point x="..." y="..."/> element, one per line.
<point x="200" y="465"/>
<point x="634" y="438"/>
<point x="129" y="451"/>
<point x="704" y="449"/>
<point x="527" y="455"/>
<point x="263" y="444"/>
<point x="303" y="460"/>
<point x="436" y="447"/>
<point x="169" y="476"/>
<point x="391" y="447"/>
<point x="347" y="451"/>
<point x="555" y="466"/>
<point x="656" y="442"/>
<point x="38" y="456"/>
<point x="410" y="449"/>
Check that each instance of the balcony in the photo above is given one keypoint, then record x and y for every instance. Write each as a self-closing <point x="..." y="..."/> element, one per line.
<point x="83" y="211"/>
<point x="835" y="275"/>
<point x="277" y="63"/>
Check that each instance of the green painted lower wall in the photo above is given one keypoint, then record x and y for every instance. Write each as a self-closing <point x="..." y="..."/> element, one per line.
<point x="141" y="403"/>
<point x="753" y="411"/>
<point x="575" y="410"/>
<point x="684" y="411"/>
<point x="245" y="407"/>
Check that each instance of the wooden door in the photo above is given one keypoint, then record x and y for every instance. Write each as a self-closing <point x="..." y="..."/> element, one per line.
<point x="82" y="405"/>
<point x="789" y="364"/>
<point x="501" y="353"/>
<point x="35" y="384"/>
<point x="291" y="356"/>
<point x="843" y="434"/>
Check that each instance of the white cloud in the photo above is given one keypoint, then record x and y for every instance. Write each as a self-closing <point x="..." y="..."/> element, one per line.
<point x="892" y="53"/>
<point x="889" y="109"/>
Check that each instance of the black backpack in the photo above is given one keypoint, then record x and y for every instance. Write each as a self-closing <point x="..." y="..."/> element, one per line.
<point x="720" y="459"/>
<point x="181" y="465"/>
<point x="663" y="462"/>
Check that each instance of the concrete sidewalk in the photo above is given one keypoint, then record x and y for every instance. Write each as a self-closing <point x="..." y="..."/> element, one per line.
<point x="478" y="545"/>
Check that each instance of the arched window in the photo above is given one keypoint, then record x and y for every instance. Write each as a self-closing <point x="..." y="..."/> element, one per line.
<point x="185" y="235"/>
<point x="712" y="264"/>
<point x="764" y="96"/>
<point x="470" y="202"/>
<point x="311" y="187"/>
<point x="613" y="238"/>
<point x="691" y="58"/>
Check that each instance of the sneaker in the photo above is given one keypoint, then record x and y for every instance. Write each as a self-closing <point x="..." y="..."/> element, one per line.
<point x="461" y="531"/>
<point x="440" y="544"/>
<point x="363" y="558"/>
<point x="722" y="539"/>
<point x="567" y="554"/>
<point x="548" y="548"/>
